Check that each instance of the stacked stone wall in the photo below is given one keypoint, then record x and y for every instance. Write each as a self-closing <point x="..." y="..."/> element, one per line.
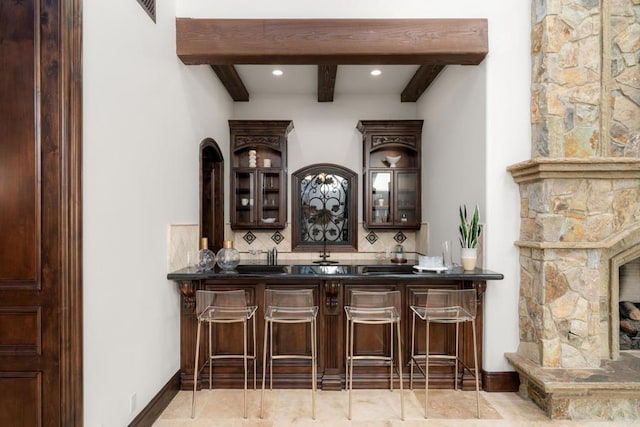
<point x="567" y="227"/>
<point x="566" y="89"/>
<point x="581" y="91"/>
<point x="624" y="82"/>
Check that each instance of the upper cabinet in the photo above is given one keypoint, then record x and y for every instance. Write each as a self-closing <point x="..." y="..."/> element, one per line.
<point x="392" y="174"/>
<point x="259" y="173"/>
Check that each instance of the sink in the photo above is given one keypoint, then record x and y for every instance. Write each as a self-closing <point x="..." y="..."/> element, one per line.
<point x="262" y="269"/>
<point x="386" y="269"/>
<point x="321" y="269"/>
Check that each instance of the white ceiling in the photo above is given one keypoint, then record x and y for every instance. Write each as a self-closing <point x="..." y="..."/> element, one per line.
<point x="303" y="79"/>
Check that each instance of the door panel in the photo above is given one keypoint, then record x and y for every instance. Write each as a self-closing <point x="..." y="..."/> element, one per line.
<point x="40" y="242"/>
<point x="19" y="219"/>
<point x="21" y="397"/>
<point x="20" y="331"/>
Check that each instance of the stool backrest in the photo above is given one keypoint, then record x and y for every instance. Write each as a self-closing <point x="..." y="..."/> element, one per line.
<point x="375" y="300"/>
<point x="297" y="298"/>
<point x="221" y="299"/>
<point x="453" y="302"/>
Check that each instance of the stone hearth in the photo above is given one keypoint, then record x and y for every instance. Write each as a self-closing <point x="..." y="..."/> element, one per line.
<point x="580" y="215"/>
<point x="611" y="392"/>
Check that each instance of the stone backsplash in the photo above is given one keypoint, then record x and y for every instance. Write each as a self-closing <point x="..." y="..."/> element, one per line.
<point x="253" y="244"/>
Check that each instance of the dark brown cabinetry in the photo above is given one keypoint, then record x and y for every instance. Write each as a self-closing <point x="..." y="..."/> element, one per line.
<point x="259" y="173"/>
<point x="392" y="173"/>
<point x="331" y="295"/>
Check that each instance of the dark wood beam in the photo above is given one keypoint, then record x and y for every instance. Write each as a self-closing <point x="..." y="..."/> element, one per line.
<point x="420" y="81"/>
<point x="231" y="80"/>
<point x="326" y="82"/>
<point x="331" y="41"/>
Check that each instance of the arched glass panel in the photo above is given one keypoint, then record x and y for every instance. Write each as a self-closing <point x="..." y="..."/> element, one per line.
<point x="324" y="208"/>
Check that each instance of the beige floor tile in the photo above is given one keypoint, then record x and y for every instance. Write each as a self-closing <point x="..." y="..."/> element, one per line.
<point x="371" y="408"/>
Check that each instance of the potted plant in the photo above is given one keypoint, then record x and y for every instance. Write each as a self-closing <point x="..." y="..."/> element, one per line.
<point x="470" y="230"/>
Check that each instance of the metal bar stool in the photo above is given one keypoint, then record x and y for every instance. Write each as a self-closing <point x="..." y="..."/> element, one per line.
<point x="374" y="308"/>
<point x="224" y="307"/>
<point x="289" y="306"/>
<point x="448" y="306"/>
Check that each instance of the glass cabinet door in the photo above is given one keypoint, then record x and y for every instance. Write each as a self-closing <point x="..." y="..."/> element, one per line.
<point x="380" y="197"/>
<point x="245" y="197"/>
<point x="407" y="198"/>
<point x="270" y="198"/>
<point x="392" y="167"/>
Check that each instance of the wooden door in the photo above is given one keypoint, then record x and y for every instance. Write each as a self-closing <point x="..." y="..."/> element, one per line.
<point x="40" y="170"/>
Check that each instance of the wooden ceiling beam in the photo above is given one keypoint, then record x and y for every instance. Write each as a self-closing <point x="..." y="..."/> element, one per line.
<point x="421" y="80"/>
<point x="326" y="82"/>
<point x="231" y="80"/>
<point x="331" y="41"/>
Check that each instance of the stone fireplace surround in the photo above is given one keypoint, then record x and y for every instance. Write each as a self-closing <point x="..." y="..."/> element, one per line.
<point x="580" y="221"/>
<point x="580" y="216"/>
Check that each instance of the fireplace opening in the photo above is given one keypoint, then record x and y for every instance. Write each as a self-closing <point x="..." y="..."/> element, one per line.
<point x="629" y="305"/>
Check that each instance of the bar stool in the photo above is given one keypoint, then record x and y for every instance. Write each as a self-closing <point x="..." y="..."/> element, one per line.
<point x="224" y="307"/>
<point x="448" y="306"/>
<point x="374" y="308"/>
<point x="289" y="306"/>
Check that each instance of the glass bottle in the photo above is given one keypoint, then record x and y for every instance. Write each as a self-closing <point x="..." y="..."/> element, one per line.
<point x="228" y="257"/>
<point x="399" y="253"/>
<point x="206" y="257"/>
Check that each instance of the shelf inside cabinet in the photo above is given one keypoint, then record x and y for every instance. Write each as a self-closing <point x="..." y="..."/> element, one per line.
<point x="258" y="171"/>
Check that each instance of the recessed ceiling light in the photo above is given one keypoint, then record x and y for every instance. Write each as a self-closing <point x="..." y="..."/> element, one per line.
<point x="376" y="72"/>
<point x="277" y="72"/>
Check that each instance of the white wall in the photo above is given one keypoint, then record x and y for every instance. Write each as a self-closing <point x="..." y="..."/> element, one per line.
<point x="339" y="8"/>
<point x="145" y="114"/>
<point x="453" y="148"/>
<point x="481" y="114"/>
<point x="508" y="142"/>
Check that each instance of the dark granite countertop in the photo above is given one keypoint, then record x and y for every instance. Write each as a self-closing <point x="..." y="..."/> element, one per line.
<point x="345" y="270"/>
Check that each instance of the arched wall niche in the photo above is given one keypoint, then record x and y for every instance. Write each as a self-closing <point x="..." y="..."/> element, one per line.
<point x="211" y="193"/>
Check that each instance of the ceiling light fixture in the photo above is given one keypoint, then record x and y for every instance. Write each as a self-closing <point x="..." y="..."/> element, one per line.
<point x="277" y="72"/>
<point x="376" y="72"/>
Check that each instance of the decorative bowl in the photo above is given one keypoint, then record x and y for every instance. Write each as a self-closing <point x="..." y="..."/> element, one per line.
<point x="268" y="220"/>
<point x="392" y="160"/>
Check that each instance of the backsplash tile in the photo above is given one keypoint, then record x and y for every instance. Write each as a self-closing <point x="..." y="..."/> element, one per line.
<point x="183" y="245"/>
<point x="399" y="237"/>
<point x="370" y="244"/>
<point x="249" y="237"/>
<point x="277" y="237"/>
<point x="253" y="244"/>
<point x="371" y="237"/>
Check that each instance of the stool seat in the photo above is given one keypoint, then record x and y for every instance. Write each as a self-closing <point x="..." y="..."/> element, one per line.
<point x="443" y="314"/>
<point x="382" y="315"/>
<point x="227" y="314"/>
<point x="291" y="314"/>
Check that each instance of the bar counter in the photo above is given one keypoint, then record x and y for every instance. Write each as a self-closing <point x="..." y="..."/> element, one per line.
<point x="332" y="285"/>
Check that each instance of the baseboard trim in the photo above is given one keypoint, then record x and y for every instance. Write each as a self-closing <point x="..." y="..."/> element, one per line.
<point x="159" y="403"/>
<point x="500" y="381"/>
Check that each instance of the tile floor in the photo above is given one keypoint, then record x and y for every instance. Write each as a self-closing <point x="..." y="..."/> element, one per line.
<point x="371" y="408"/>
